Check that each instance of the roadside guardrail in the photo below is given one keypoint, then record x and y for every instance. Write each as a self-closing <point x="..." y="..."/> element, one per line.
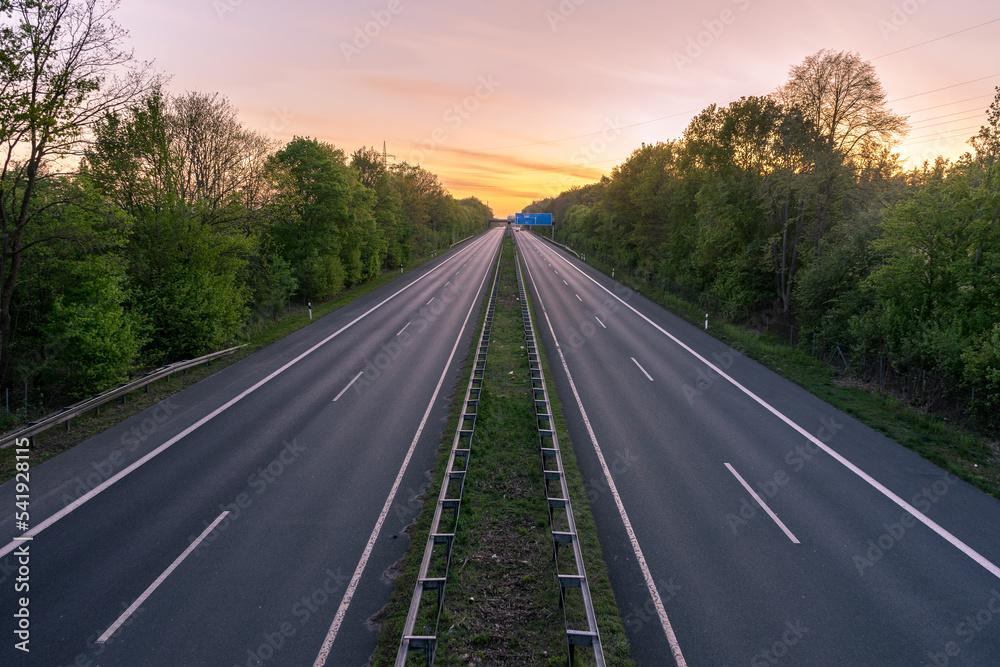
<point x="436" y="562"/>
<point x="95" y="402"/>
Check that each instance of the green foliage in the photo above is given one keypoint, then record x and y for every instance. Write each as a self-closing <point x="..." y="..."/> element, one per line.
<point x="182" y="230"/>
<point x="73" y="331"/>
<point x="95" y="338"/>
<point x="187" y="285"/>
<point x="332" y="239"/>
<point x="828" y="293"/>
<point x="795" y="208"/>
<point x="271" y="282"/>
<point x="934" y="293"/>
<point x="982" y="369"/>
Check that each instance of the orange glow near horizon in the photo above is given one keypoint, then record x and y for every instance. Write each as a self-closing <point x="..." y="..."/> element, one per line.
<point x="518" y="100"/>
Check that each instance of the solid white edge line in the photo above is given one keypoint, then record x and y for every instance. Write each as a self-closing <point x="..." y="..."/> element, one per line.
<point x="648" y="376"/>
<point x="913" y="511"/>
<point x="337" y="398"/>
<point x="212" y="415"/>
<point x="760" y="502"/>
<point x="159" y="580"/>
<point x="338" y="619"/>
<point x="661" y="612"/>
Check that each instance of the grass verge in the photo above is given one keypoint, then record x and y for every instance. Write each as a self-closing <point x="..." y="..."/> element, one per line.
<point x="502" y="602"/>
<point x="968" y="455"/>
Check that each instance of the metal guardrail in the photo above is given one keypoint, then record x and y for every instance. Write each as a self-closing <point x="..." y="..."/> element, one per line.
<point x="97" y="401"/>
<point x="562" y="524"/>
<point x="462" y="241"/>
<point x="441" y="539"/>
<point x="566" y="247"/>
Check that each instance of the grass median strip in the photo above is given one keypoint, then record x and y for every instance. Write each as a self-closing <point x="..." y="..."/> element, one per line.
<point x="502" y="598"/>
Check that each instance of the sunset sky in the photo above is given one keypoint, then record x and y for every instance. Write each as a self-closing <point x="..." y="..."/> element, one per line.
<point x="513" y="101"/>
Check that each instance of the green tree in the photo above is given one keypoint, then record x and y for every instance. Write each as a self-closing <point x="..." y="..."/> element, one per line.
<point x="62" y="67"/>
<point x="191" y="248"/>
<point x="840" y="95"/>
<point x="330" y="239"/>
<point x="931" y="295"/>
<point x="375" y="175"/>
<point x="74" y="334"/>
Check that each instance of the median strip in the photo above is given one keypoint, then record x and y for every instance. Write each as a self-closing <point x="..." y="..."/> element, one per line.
<point x="562" y="522"/>
<point x="436" y="561"/>
<point x="508" y="601"/>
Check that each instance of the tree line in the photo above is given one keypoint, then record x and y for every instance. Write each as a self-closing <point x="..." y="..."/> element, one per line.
<point x="139" y="227"/>
<point x="793" y="209"/>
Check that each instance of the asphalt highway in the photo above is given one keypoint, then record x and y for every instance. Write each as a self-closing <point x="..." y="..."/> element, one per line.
<point x="253" y="518"/>
<point x="745" y="521"/>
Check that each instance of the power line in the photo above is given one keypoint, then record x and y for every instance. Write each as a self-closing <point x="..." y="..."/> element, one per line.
<point x="926" y="141"/>
<point x="675" y="115"/>
<point x="937" y="136"/>
<point x="694" y="111"/>
<point x="946" y="122"/>
<point x="950" y="34"/>
<point x="911" y="141"/>
<point x="975" y="112"/>
<point x="938" y="106"/>
<point x="956" y="85"/>
<point x="581" y="136"/>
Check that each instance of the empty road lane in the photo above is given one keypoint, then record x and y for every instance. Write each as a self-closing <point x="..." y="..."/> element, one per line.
<point x="251" y="518"/>
<point x="745" y="521"/>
